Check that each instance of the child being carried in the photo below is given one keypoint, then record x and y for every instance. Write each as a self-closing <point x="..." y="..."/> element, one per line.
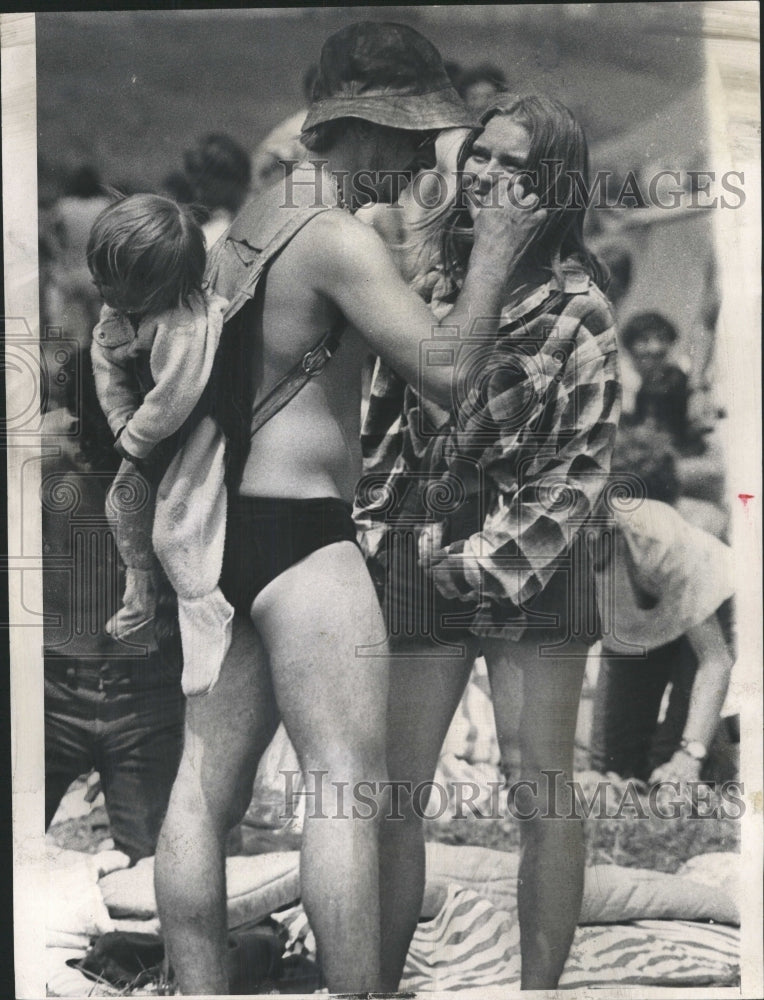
<point x="152" y="351"/>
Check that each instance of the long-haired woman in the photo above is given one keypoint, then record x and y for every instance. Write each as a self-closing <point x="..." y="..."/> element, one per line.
<point x="482" y="536"/>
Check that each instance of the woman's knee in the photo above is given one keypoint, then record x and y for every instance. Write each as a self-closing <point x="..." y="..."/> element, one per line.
<point x="544" y="793"/>
<point x="543" y="748"/>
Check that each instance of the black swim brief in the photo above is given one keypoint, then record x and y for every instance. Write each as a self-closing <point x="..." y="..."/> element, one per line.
<point x="267" y="535"/>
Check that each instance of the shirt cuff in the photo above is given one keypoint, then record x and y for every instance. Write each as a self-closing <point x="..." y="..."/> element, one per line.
<point x="134" y="445"/>
<point x="117" y="419"/>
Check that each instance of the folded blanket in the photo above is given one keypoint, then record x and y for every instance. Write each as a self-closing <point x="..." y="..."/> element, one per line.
<point x="262" y="883"/>
<point x="612" y="894"/>
<point x="469" y="935"/>
<point x="257" y="886"/>
<point x="76" y="907"/>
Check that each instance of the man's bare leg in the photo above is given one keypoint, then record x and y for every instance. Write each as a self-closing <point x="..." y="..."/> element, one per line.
<point x="226" y="733"/>
<point x="313" y="618"/>
<point x="551" y="875"/>
<point x="424" y="694"/>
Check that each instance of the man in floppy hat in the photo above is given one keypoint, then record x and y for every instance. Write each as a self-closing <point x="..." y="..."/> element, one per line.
<point x="306" y="280"/>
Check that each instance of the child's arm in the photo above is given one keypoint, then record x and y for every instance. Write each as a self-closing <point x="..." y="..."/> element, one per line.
<point x="115" y="386"/>
<point x="181" y="362"/>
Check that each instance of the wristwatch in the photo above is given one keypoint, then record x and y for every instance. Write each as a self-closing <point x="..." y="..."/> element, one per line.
<point x="695" y="749"/>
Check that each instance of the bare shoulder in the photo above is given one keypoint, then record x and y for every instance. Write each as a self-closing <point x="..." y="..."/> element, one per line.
<point x="336" y="240"/>
<point x="390" y="221"/>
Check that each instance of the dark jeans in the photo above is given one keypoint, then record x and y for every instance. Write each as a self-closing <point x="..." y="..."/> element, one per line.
<point x="626" y="737"/>
<point x="125" y="719"/>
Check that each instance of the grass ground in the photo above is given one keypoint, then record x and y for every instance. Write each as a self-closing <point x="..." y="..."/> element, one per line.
<point x="624" y="837"/>
<point x="627" y="840"/>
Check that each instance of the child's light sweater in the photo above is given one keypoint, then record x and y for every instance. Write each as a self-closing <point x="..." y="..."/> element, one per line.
<point x="181" y="343"/>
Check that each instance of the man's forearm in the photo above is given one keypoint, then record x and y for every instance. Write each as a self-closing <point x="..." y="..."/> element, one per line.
<point x="483" y="292"/>
<point x="477" y="310"/>
<point x="711" y="682"/>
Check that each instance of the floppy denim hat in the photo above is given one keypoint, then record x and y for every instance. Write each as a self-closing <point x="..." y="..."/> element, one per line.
<point x="388" y="74"/>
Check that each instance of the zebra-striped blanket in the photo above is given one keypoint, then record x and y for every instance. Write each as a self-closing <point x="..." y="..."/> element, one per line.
<point x="472" y="944"/>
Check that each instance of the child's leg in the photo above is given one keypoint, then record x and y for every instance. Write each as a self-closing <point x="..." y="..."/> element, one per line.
<point x="130" y="510"/>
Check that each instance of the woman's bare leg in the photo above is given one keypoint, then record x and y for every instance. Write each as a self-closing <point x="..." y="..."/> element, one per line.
<point x="551" y="874"/>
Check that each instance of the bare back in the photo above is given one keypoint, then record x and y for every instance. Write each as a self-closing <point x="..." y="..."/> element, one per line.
<point x="310" y="448"/>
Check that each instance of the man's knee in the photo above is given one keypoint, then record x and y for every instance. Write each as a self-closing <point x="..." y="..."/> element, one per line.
<point x="218" y="802"/>
<point x="345" y="792"/>
<point x="352" y="756"/>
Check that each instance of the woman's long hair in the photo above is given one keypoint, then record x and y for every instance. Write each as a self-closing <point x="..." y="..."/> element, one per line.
<point x="558" y="160"/>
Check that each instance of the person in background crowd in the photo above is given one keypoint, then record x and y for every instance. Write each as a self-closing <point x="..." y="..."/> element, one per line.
<point x="479" y="85"/>
<point x="218" y="172"/>
<point x="619" y="262"/>
<point x="73" y="216"/>
<point x="673" y="591"/>
<point x="663" y="395"/>
<point x="216" y="177"/>
<point x="108" y="705"/>
<point x="659" y="395"/>
<point x="177" y="186"/>
<point x="282" y="146"/>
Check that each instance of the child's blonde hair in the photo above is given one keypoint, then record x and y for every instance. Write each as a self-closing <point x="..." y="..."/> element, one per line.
<point x="148" y="244"/>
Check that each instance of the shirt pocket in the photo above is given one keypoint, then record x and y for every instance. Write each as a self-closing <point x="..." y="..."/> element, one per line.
<point x="114" y="332"/>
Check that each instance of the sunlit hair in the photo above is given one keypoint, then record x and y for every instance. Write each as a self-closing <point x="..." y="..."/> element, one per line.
<point x="558" y="153"/>
<point x="150" y="247"/>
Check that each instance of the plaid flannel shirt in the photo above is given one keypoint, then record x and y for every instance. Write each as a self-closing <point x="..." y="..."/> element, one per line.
<point x="499" y="488"/>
